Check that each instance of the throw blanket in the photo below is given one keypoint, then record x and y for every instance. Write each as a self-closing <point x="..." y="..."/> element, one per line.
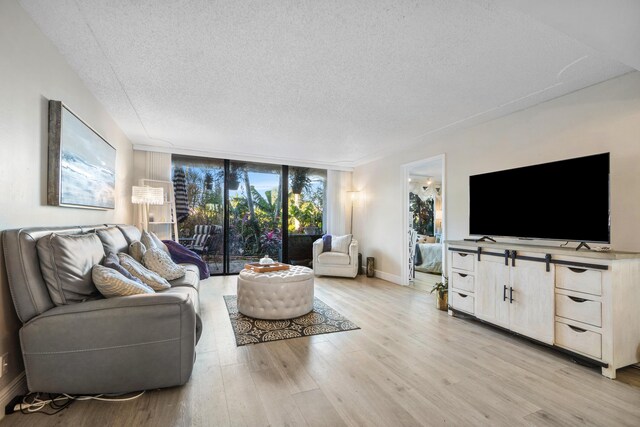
<point x="180" y="254"/>
<point x="326" y="243"/>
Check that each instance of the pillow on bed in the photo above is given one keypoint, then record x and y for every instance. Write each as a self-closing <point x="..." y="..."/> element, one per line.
<point x="422" y="238"/>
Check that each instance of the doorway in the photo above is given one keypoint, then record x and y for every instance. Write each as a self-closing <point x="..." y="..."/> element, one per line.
<point x="424" y="222"/>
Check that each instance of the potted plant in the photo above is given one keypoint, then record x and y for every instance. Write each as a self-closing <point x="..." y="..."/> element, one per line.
<point x="442" y="292"/>
<point x="299" y="179"/>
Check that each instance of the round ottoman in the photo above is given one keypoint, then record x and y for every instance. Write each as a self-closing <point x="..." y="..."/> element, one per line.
<point x="276" y="295"/>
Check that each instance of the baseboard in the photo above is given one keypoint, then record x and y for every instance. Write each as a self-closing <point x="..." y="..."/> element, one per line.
<point x="15" y="388"/>
<point x="393" y="278"/>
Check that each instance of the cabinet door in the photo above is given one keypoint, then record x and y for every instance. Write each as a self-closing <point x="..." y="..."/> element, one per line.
<point x="491" y="279"/>
<point x="532" y="310"/>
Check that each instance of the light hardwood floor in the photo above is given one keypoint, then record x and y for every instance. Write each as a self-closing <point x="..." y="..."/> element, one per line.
<point x="409" y="365"/>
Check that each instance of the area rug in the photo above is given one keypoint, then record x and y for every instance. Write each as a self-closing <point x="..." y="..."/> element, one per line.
<point x="322" y="320"/>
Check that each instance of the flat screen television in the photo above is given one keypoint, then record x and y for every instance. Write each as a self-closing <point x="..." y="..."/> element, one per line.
<point x="563" y="200"/>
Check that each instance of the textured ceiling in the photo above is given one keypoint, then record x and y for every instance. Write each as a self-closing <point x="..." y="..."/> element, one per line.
<point x="330" y="82"/>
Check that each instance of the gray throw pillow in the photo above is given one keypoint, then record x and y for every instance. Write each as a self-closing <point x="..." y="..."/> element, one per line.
<point x="159" y="243"/>
<point x="111" y="283"/>
<point x="66" y="262"/>
<point x="137" y="250"/>
<point x="112" y="261"/>
<point x="147" y="241"/>
<point x="158" y="261"/>
<point x="148" y="277"/>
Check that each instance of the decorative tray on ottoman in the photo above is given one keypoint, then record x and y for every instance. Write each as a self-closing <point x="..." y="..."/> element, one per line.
<point x="266" y="268"/>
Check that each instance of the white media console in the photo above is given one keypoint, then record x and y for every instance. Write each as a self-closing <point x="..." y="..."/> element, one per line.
<point x="584" y="303"/>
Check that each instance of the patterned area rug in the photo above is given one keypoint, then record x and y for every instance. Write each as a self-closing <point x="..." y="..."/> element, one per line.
<point x="322" y="320"/>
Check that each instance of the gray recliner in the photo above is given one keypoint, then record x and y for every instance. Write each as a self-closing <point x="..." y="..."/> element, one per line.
<point x="114" y="345"/>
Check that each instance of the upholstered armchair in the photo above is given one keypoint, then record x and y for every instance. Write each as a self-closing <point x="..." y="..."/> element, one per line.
<point x="342" y="263"/>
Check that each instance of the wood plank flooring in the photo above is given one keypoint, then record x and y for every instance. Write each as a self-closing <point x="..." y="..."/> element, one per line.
<point x="409" y="365"/>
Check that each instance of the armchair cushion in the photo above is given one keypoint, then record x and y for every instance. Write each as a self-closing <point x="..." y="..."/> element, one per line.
<point x="66" y="262"/>
<point x="336" y="258"/>
<point x="340" y="243"/>
<point x="111" y="283"/>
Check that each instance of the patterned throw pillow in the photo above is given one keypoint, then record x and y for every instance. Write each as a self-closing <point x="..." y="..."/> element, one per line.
<point x="147" y="240"/>
<point x="111" y="284"/>
<point x="137" y="250"/>
<point x="158" y="242"/>
<point x="148" y="277"/>
<point x="112" y="261"/>
<point x="158" y="261"/>
<point x="341" y="243"/>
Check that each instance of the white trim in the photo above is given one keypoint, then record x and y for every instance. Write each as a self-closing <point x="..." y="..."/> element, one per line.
<point x="17" y="387"/>
<point x="405" y="169"/>
<point x="393" y="278"/>
<point x="244" y="157"/>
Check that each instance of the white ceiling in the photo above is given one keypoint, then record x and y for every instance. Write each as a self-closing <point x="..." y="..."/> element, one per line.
<point x="334" y="82"/>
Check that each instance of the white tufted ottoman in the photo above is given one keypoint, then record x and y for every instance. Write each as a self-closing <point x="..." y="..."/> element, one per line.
<point x="276" y="295"/>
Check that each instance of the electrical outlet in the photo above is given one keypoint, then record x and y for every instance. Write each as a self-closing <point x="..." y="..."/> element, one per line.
<point x="5" y="363"/>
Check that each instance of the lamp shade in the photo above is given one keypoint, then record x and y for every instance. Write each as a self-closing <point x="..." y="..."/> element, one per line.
<point x="147" y="195"/>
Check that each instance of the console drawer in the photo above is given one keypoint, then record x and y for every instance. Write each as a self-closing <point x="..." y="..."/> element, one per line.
<point x="580" y="309"/>
<point x="463" y="261"/>
<point x="579" y="279"/>
<point x="461" y="301"/>
<point x="462" y="281"/>
<point x="579" y="340"/>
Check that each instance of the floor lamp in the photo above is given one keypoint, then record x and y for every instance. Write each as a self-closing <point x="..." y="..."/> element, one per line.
<point x="354" y="194"/>
<point x="145" y="196"/>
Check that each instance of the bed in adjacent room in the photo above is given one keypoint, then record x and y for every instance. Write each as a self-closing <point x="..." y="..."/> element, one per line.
<point x="428" y="257"/>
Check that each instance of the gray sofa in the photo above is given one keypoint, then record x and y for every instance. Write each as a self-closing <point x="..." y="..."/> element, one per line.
<point x="100" y="345"/>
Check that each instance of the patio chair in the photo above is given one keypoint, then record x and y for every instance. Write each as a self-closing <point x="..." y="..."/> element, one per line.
<point x="207" y="240"/>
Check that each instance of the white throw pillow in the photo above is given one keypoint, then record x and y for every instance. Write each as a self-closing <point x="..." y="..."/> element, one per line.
<point x="137" y="250"/>
<point x="111" y="283"/>
<point x="147" y="240"/>
<point x="341" y="243"/>
<point x="148" y="277"/>
<point x="158" y="261"/>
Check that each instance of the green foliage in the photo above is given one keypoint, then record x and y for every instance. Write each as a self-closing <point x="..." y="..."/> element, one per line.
<point x="422" y="214"/>
<point x="441" y="287"/>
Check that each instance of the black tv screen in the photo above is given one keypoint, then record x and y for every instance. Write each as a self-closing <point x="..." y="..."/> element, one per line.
<point x="564" y="200"/>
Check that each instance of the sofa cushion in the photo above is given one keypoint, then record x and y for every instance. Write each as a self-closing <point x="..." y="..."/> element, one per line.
<point x="335" y="258"/>
<point x="130" y="232"/>
<point x="158" y="261"/>
<point x="191" y="279"/>
<point x="148" y="277"/>
<point x="112" y="261"/>
<point x="111" y="283"/>
<point x="137" y="250"/>
<point x="113" y="240"/>
<point x="340" y="243"/>
<point x="66" y="262"/>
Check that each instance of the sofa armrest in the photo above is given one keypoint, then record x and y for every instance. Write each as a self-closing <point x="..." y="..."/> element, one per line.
<point x="353" y="250"/>
<point x="115" y="345"/>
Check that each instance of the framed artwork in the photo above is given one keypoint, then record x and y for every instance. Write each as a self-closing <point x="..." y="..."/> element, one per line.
<point x="82" y="164"/>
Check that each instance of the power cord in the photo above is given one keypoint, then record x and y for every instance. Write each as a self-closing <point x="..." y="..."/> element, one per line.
<point x="35" y="403"/>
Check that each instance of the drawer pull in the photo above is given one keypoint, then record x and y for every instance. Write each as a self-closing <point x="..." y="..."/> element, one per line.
<point x="576" y="299"/>
<point x="462" y="275"/>
<point x="577" y="270"/>
<point x="576" y="329"/>
<point x="462" y="295"/>
<point x="504" y="293"/>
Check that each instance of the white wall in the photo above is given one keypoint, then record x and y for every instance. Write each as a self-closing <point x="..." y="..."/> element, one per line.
<point x="32" y="71"/>
<point x="600" y="118"/>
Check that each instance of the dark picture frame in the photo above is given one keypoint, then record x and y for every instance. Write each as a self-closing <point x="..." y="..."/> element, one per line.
<point x="82" y="164"/>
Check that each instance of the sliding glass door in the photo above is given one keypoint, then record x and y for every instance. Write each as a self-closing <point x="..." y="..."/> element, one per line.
<point x="199" y="192"/>
<point x="255" y="213"/>
<point x="233" y="213"/>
